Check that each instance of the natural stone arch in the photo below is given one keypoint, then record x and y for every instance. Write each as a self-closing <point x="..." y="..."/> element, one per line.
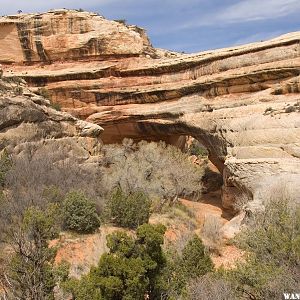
<point x="248" y="147"/>
<point x="170" y="132"/>
<point x="242" y="102"/>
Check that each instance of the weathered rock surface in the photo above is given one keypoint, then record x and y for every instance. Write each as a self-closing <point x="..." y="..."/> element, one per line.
<point x="242" y="103"/>
<point x="68" y="35"/>
<point x="28" y="123"/>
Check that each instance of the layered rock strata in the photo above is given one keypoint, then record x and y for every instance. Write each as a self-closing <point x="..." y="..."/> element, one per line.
<point x="29" y="123"/>
<point x="242" y="102"/>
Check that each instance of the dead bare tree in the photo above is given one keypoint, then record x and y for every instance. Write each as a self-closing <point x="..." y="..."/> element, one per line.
<point x="154" y="168"/>
<point x="28" y="272"/>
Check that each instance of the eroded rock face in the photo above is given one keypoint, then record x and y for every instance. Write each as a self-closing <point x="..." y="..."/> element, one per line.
<point x="242" y="103"/>
<point x="68" y="35"/>
<point x="28" y="123"/>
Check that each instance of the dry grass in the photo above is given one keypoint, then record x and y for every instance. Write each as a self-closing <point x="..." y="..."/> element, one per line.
<point x="211" y="233"/>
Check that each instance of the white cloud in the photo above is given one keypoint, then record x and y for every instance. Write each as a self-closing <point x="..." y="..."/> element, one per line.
<point x="246" y="11"/>
<point x="261" y="36"/>
<point x="250" y="10"/>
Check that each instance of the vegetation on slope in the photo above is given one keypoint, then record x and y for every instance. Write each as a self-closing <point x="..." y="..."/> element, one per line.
<point x="79" y="213"/>
<point x="128" y="210"/>
<point x="44" y="193"/>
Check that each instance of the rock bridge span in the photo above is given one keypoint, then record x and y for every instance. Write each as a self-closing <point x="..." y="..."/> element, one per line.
<point x="242" y="103"/>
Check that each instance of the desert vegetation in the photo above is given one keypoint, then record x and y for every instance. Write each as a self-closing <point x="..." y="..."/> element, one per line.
<point x="29" y="272"/>
<point x="197" y="149"/>
<point x="45" y="191"/>
<point x="183" y="265"/>
<point x="144" y="220"/>
<point x="272" y="244"/>
<point x="79" y="213"/>
<point x="156" y="169"/>
<point x="128" y="210"/>
<point x="128" y="271"/>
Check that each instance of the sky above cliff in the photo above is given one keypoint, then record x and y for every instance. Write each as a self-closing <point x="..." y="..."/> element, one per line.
<point x="187" y="25"/>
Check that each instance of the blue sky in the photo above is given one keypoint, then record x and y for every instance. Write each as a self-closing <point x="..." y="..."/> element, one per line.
<point x="187" y="25"/>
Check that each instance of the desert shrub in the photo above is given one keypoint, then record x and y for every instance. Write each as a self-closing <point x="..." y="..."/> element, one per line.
<point x="180" y="213"/>
<point x="5" y="165"/>
<point x="210" y="287"/>
<point x="84" y="288"/>
<point x="15" y="79"/>
<point x="172" y="279"/>
<point x="254" y="279"/>
<point x="273" y="234"/>
<point x="46" y="173"/>
<point x="30" y="272"/>
<point x="287" y="280"/>
<point x="55" y="106"/>
<point x="121" y="243"/>
<point x="180" y="268"/>
<point x="211" y="233"/>
<point x="79" y="213"/>
<point x="128" y="210"/>
<point x="196" y="261"/>
<point x="196" y="148"/>
<point x="149" y="240"/>
<point x="53" y="194"/>
<point x="156" y="169"/>
<point x="18" y="90"/>
<point x="128" y="271"/>
<point x="43" y="92"/>
<point x="121" y="21"/>
<point x="182" y="208"/>
<point x="271" y="241"/>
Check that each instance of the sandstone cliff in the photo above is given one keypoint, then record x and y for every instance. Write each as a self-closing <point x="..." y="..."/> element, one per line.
<point x="68" y="35"/>
<point x="29" y="123"/>
<point x="242" y="103"/>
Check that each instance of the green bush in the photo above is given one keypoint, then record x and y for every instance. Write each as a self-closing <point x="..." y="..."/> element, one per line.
<point x="128" y="210"/>
<point x="84" y="288"/>
<point x="196" y="261"/>
<point x="120" y="243"/>
<point x="197" y="149"/>
<point x="179" y="269"/>
<point x="5" y="165"/>
<point x="43" y="92"/>
<point x="172" y="278"/>
<point x="31" y="273"/>
<point x="79" y="213"/>
<point x="272" y="244"/>
<point x="128" y="271"/>
<point x="56" y="106"/>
